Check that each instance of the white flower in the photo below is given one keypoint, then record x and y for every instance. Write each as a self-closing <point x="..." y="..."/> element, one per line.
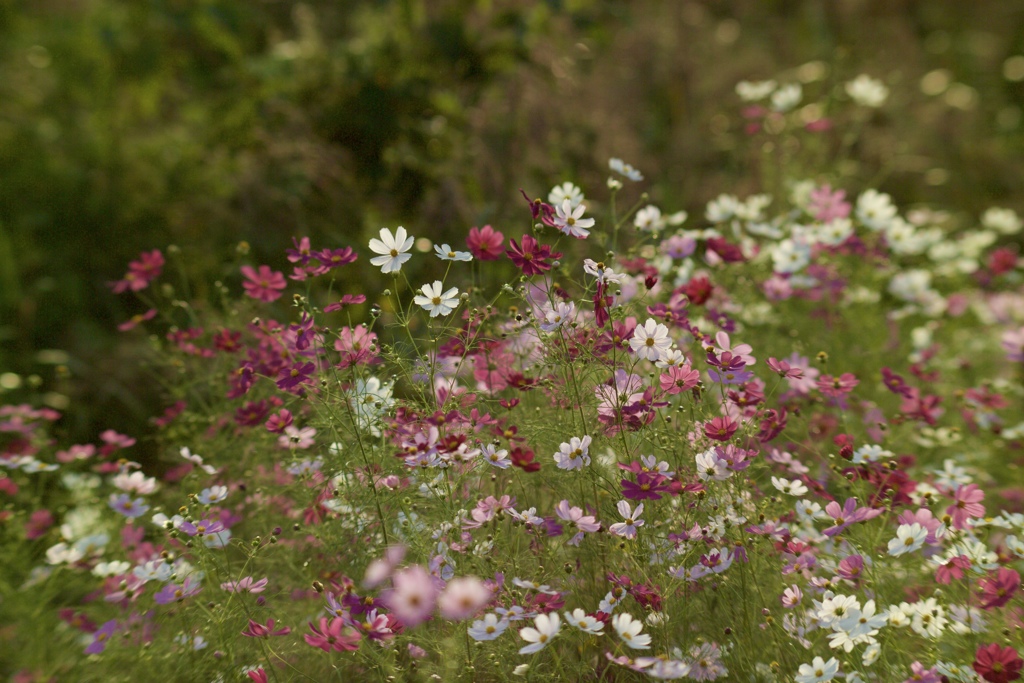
<point x="787" y="97"/>
<point x="557" y="315"/>
<point x="488" y="628"/>
<point x="792" y="488"/>
<point x="602" y="272"/>
<point x="609" y="603"/>
<point x="648" y="219"/>
<point x="871" y="653"/>
<point x="547" y="627"/>
<point x="818" y="671"/>
<point x="790" y="256"/>
<point x="651" y="340"/>
<point x="867" y="91"/>
<point x="875" y="210"/>
<point x="710" y="466"/>
<point x="835" y="232"/>
<point x="584" y="622"/>
<point x="446" y="253"/>
<point x="1002" y="220"/>
<point x="393" y="249"/>
<point x="212" y="495"/>
<point x="753" y="91"/>
<point x="722" y="208"/>
<point x="574" y="455"/>
<point x="628" y="528"/>
<point x="625" y="169"/>
<point x="835" y="608"/>
<point x="115" y="568"/>
<point x="135" y="482"/>
<point x="629" y="629"/>
<point x="570" y="220"/>
<point x="909" y="538"/>
<point x="566" y="190"/>
<point x="436" y="303"/>
<point x="498" y="458"/>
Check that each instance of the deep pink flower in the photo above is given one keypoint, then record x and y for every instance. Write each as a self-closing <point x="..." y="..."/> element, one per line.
<point x="720" y="428"/>
<point x="784" y="369"/>
<point x="258" y="630"/>
<point x="257" y="675"/>
<point x="837" y="386"/>
<point x="333" y="635"/>
<point x="140" y="273"/>
<point x="966" y="504"/>
<point x="997" y="589"/>
<point x="851" y="567"/>
<point x="848" y="514"/>
<point x="485" y="243"/>
<point x="335" y="258"/>
<point x="954" y="569"/>
<point x="357" y="346"/>
<point x="265" y="285"/>
<point x="648" y="486"/>
<point x="997" y="664"/>
<point x="531" y="256"/>
<point x="346" y="300"/>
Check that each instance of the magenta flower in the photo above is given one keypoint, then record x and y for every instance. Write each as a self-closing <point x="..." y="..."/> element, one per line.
<point x="335" y="258"/>
<point x="299" y="373"/>
<point x="258" y="630"/>
<point x="333" y="635"/>
<point x="720" y="428"/>
<point x="966" y="504"/>
<point x="201" y="528"/>
<point x="784" y="369"/>
<point x="265" y="285"/>
<point x="485" y="243"/>
<point x="648" y="486"/>
<point x="998" y="588"/>
<point x="140" y="273"/>
<point x="531" y="256"/>
<point x="346" y="300"/>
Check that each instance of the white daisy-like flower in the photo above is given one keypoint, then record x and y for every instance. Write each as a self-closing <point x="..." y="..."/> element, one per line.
<point x="488" y="628"/>
<point x="787" y="97"/>
<point x="622" y="168"/>
<point x="710" y="466"/>
<point x="909" y="538"/>
<point x="573" y="455"/>
<point x="566" y="190"/>
<point x="650" y="340"/>
<point x="602" y="272"/>
<point x="867" y="91"/>
<point x="818" y="671"/>
<point x="752" y="91"/>
<point x="446" y="253"/>
<point x="557" y="315"/>
<point x="875" y="210"/>
<point x="629" y="629"/>
<point x="792" y="488"/>
<point x="393" y="249"/>
<point x="628" y="528"/>
<point x="545" y="627"/>
<point x="585" y="622"/>
<point x="495" y="456"/>
<point x="436" y="303"/>
<point x="570" y="221"/>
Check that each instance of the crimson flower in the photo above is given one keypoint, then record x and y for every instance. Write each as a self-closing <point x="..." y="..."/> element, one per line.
<point x="531" y="256"/>
<point x="997" y="589"/>
<point x="997" y="664"/>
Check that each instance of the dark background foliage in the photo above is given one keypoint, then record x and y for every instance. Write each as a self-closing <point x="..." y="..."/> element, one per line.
<point x="128" y="125"/>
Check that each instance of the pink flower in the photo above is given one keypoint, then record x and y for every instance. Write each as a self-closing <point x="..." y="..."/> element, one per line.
<point x="1013" y="343"/>
<point x="678" y="379"/>
<point x="575" y="516"/>
<point x="258" y="630"/>
<point x="463" y="597"/>
<point x="485" y="243"/>
<point x="140" y="273"/>
<point x="333" y="635"/>
<point x="265" y="285"/>
<point x="966" y="504"/>
<point x="826" y="205"/>
<point x="136" y="320"/>
<point x="413" y="596"/>
<point x="837" y="386"/>
<point x="247" y="584"/>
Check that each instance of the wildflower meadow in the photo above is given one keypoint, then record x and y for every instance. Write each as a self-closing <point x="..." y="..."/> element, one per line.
<point x="774" y="440"/>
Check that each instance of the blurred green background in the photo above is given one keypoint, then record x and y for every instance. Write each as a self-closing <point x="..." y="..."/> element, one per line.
<point x="128" y="125"/>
